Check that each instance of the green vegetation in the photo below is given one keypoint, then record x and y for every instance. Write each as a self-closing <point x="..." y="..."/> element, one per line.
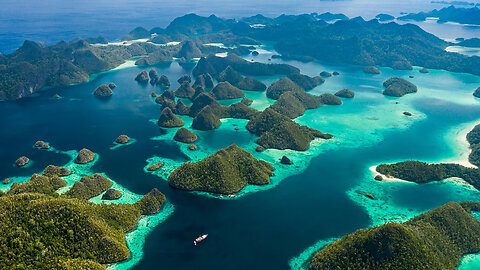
<point x="229" y="75"/>
<point x="421" y="172"/>
<point x="224" y="90"/>
<point x="168" y="119"/>
<point x="189" y="50"/>
<point x="473" y="138"/>
<point x="241" y="111"/>
<point x="84" y="156"/>
<point x="89" y="187"/>
<point x="226" y="172"/>
<point x="371" y="70"/>
<point x="42" y="184"/>
<point x="237" y="80"/>
<point x="42" y="230"/>
<point x="281" y="86"/>
<point x="251" y="84"/>
<point x="214" y="65"/>
<point x="185" y="90"/>
<point x="168" y="96"/>
<point x="22" y="161"/>
<point x="33" y="66"/>
<point x="122" y="139"/>
<point x="206" y="119"/>
<point x="41" y="145"/>
<point x="280" y="132"/>
<point x="294" y="104"/>
<point x="305" y="81"/>
<point x="330" y="99"/>
<point x="397" y="87"/>
<point x="200" y="102"/>
<point x="345" y="93"/>
<point x="155" y="166"/>
<point x="184" y="78"/>
<point x="154" y="78"/>
<point x="52" y="170"/>
<point x="164" y="81"/>
<point x="247" y="101"/>
<point x="203" y="81"/>
<point x="184" y="135"/>
<point x="111" y="194"/>
<point x="434" y="240"/>
<point x="151" y="203"/>
<point x="103" y="91"/>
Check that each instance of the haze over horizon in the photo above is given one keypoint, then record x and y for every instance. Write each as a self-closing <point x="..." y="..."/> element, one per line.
<point x="54" y="20"/>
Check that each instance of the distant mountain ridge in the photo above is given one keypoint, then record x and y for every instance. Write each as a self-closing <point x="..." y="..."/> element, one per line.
<point x="448" y="14"/>
<point x="304" y="37"/>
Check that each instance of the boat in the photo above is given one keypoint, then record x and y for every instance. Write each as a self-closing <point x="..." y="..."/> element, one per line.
<point x="199" y="239"/>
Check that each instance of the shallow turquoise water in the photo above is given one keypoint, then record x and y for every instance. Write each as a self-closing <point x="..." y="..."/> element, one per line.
<point x="304" y="207"/>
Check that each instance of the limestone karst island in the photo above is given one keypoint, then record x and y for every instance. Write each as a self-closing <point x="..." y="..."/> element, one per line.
<point x="213" y="135"/>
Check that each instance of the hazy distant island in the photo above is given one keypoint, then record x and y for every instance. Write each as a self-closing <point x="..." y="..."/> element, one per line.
<point x="448" y="14"/>
<point x="305" y="37"/>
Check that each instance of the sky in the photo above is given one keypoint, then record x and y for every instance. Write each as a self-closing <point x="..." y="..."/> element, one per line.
<point x="55" y="20"/>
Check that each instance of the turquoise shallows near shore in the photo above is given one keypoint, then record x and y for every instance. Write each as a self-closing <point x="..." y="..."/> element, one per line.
<point x="358" y="128"/>
<point x="118" y="145"/>
<point x="135" y="239"/>
<point x="470" y="261"/>
<point x="302" y="260"/>
<point x="356" y="123"/>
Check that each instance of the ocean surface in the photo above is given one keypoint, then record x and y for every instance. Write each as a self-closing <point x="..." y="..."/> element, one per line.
<point x="277" y="226"/>
<point x="308" y="204"/>
<point x="51" y="21"/>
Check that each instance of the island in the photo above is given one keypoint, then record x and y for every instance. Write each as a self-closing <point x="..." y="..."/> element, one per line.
<point x="168" y="119"/>
<point x="89" y="187"/>
<point x="84" y="156"/>
<point x="345" y="93"/>
<point x="185" y="90"/>
<point x="226" y="172"/>
<point x="473" y="138"/>
<point x="22" y="161"/>
<point x="41" y="145"/>
<point x="422" y="172"/>
<point x="472" y="43"/>
<point x="371" y="70"/>
<point x="111" y="194"/>
<point x="122" y="139"/>
<point x="448" y="14"/>
<point x="224" y="90"/>
<point x="384" y="17"/>
<point x="434" y="240"/>
<point x="103" y="91"/>
<point x="35" y="208"/>
<point x="294" y="103"/>
<point x="369" y="44"/>
<point x="476" y="93"/>
<point x="185" y="136"/>
<point x="280" y="132"/>
<point x="398" y="87"/>
<point x="281" y="86"/>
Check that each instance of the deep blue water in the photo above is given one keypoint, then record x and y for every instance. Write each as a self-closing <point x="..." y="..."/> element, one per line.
<point x="260" y="230"/>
